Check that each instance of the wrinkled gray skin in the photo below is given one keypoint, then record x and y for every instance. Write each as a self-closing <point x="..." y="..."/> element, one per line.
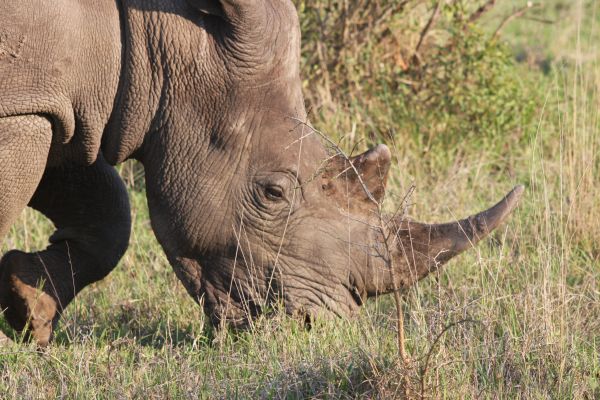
<point x="248" y="205"/>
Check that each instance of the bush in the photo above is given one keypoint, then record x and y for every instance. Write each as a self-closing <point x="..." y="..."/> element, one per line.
<point x="411" y="70"/>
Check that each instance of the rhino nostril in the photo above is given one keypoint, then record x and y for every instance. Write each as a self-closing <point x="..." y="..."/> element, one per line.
<point x="308" y="320"/>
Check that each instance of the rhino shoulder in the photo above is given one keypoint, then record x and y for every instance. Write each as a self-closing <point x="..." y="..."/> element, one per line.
<point x="62" y="61"/>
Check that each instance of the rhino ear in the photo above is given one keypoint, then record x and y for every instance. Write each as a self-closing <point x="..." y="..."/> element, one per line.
<point x="373" y="167"/>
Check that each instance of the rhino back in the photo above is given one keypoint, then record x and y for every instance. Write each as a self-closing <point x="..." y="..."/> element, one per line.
<point x="61" y="59"/>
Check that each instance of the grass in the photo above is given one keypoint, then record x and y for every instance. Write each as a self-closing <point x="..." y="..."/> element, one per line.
<point x="526" y="303"/>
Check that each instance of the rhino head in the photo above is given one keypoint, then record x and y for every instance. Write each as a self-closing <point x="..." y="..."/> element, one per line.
<point x="250" y="206"/>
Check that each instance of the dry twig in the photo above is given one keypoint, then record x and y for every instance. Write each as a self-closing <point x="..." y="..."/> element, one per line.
<point x="518" y="13"/>
<point x="405" y="358"/>
<point x="482" y="10"/>
<point x="425" y="31"/>
<point x="437" y="339"/>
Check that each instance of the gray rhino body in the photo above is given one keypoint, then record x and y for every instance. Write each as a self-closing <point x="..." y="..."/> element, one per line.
<point x="247" y="203"/>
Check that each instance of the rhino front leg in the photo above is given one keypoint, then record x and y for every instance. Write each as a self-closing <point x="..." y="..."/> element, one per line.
<point x="90" y="209"/>
<point x="24" y="145"/>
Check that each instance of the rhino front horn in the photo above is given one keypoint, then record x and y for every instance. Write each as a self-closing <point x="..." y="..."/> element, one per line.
<point x="420" y="249"/>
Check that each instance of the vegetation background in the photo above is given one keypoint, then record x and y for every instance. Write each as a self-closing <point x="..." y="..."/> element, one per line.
<point x="473" y="97"/>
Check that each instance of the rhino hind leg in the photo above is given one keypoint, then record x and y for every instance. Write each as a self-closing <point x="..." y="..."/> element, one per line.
<point x="90" y="209"/>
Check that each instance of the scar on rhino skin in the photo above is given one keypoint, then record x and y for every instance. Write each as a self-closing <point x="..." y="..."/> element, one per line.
<point x="10" y="44"/>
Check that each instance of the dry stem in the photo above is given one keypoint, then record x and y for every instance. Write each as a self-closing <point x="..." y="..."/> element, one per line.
<point x="512" y="16"/>
<point x="404" y="357"/>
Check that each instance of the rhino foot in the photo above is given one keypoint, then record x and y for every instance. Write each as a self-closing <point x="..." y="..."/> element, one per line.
<point x="23" y="297"/>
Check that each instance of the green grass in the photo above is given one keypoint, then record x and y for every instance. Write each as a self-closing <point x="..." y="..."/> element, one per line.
<point x="526" y="303"/>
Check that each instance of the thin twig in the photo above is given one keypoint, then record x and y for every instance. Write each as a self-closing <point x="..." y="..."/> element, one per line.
<point x="512" y="16"/>
<point x="405" y="358"/>
<point x="425" y="367"/>
<point x="426" y="29"/>
<point x="341" y="153"/>
<point x="482" y="10"/>
<point x="540" y="20"/>
<point x="400" y="319"/>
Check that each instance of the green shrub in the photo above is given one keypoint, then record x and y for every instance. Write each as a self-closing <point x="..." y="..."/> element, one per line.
<point x="365" y="79"/>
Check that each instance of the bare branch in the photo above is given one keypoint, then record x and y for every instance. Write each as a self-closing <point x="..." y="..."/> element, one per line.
<point x="512" y="16"/>
<point x="482" y="10"/>
<point x="340" y="152"/>
<point x="425" y="367"/>
<point x="404" y="357"/>
<point x="426" y="29"/>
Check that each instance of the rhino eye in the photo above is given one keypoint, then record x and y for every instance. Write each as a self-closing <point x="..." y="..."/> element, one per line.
<point x="274" y="192"/>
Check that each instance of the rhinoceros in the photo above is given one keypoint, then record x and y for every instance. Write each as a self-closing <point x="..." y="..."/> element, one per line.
<point x="250" y="205"/>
